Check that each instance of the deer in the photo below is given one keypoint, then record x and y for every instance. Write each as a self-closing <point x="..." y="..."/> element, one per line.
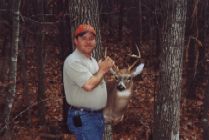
<point x="121" y="90"/>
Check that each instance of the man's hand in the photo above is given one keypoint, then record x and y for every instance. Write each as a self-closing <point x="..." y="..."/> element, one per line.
<point x="105" y="65"/>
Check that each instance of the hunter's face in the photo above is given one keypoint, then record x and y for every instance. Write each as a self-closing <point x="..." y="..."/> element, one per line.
<point x="86" y="43"/>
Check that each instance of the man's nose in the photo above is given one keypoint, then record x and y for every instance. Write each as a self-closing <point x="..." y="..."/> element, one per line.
<point x="88" y="41"/>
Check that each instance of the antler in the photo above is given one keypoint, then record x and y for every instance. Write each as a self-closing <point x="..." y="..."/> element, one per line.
<point x="135" y="56"/>
<point x="113" y="70"/>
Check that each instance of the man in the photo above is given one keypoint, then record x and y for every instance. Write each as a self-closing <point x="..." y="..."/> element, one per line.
<point x="84" y="86"/>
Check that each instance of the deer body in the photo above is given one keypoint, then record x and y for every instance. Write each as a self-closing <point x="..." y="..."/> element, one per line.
<point x="119" y="94"/>
<point x="120" y="90"/>
<point x="117" y="104"/>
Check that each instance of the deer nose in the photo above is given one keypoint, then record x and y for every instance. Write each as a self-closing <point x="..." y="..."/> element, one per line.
<point x="121" y="87"/>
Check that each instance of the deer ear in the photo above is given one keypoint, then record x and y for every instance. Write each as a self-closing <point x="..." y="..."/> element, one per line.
<point x="138" y="70"/>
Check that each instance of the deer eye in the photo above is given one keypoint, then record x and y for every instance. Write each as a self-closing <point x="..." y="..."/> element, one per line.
<point x="116" y="78"/>
<point x="128" y="78"/>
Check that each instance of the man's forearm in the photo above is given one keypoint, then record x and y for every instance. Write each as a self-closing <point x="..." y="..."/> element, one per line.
<point x="93" y="81"/>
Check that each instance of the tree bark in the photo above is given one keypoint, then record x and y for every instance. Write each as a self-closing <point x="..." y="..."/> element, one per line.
<point x="196" y="53"/>
<point x="40" y="53"/>
<point x="13" y="64"/>
<point x="106" y="7"/>
<point x="6" y="30"/>
<point x="205" y="116"/>
<point x="6" y="55"/>
<point x="192" y="68"/>
<point x="157" y="21"/>
<point x="120" y="20"/>
<point x="206" y="99"/>
<point x="140" y="21"/>
<point x="41" y="78"/>
<point x="24" y="77"/>
<point x="86" y="11"/>
<point x="135" y="22"/>
<point x="167" y="104"/>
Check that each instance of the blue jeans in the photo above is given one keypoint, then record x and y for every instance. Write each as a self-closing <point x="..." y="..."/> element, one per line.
<point x="92" y="124"/>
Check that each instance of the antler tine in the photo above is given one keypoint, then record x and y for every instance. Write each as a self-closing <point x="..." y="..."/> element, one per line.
<point x="114" y="69"/>
<point x="105" y="53"/>
<point x="139" y="54"/>
<point x="135" y="56"/>
<point x="130" y="67"/>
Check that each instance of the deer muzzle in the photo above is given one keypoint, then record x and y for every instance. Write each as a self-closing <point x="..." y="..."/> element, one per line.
<point x="121" y="86"/>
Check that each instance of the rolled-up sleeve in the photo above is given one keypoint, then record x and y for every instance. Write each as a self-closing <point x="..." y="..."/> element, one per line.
<point x="77" y="72"/>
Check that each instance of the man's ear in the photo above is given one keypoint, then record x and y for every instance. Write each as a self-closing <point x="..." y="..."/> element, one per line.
<point x="75" y="41"/>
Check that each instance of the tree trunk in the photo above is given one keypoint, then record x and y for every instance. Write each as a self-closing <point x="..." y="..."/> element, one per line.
<point x="120" y="20"/>
<point x="4" y="62"/>
<point x="157" y="32"/>
<point x="206" y="99"/>
<point x="24" y="77"/>
<point x="66" y="48"/>
<point x="196" y="54"/>
<point x="65" y="37"/>
<point x="6" y="30"/>
<point x="41" y="66"/>
<point x="192" y="68"/>
<point x="140" y="21"/>
<point x="106" y="17"/>
<point x="205" y="116"/>
<point x="86" y="11"/>
<point x="41" y="78"/>
<point x="135" y="22"/>
<point x="167" y="104"/>
<point x="13" y="65"/>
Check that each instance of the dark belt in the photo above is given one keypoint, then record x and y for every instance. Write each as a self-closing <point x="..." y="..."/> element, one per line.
<point x="85" y="109"/>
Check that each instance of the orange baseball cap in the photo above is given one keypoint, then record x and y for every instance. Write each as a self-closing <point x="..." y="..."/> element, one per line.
<point x="84" y="28"/>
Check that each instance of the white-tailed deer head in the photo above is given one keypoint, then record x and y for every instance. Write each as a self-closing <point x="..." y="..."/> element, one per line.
<point x="120" y="90"/>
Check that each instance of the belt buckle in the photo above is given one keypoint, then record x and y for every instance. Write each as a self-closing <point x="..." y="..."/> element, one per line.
<point x="88" y="110"/>
<point x="82" y="109"/>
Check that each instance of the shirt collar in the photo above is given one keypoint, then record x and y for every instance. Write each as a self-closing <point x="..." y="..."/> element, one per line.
<point x="82" y="55"/>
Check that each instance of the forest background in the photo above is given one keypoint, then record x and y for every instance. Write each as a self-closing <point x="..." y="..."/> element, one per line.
<point x="38" y="106"/>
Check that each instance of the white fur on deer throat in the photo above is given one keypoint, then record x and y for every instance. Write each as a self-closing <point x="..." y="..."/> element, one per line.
<point x="124" y="93"/>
